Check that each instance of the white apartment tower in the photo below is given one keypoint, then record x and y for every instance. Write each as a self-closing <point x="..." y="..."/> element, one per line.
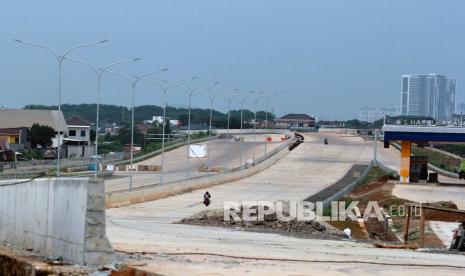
<point x="429" y="95"/>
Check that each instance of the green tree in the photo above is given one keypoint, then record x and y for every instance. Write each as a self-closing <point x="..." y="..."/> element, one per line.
<point x="124" y="136"/>
<point x="93" y="133"/>
<point x="158" y="128"/>
<point x="41" y="136"/>
<point x="184" y="119"/>
<point x="121" y="115"/>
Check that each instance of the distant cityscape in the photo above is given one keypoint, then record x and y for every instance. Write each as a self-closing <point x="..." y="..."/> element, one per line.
<point x="370" y="113"/>
<point x="425" y="95"/>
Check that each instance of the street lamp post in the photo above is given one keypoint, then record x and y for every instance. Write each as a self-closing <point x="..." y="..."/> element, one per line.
<point x="191" y="92"/>
<point x="242" y="106"/>
<point x="99" y="74"/>
<point x="375" y="147"/>
<point x="230" y="99"/>
<point x="242" y="120"/>
<point x="134" y="80"/>
<point x="60" y="59"/>
<point x="164" y="89"/>
<point x="260" y="95"/>
<point x="212" y="99"/>
<point x="266" y="112"/>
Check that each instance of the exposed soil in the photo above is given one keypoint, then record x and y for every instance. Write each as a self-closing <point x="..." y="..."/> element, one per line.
<point x="380" y="190"/>
<point x="271" y="224"/>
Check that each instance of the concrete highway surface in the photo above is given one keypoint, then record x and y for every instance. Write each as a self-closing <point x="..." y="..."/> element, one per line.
<point x="184" y="249"/>
<point x="226" y="154"/>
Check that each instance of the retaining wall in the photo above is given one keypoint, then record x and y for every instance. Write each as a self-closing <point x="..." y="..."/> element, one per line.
<point x="59" y="217"/>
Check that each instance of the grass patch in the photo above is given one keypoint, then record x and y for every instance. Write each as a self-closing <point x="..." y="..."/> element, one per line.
<point x="438" y="159"/>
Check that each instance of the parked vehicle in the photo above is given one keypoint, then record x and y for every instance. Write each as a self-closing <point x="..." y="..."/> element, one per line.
<point x="20" y="157"/>
<point x="458" y="240"/>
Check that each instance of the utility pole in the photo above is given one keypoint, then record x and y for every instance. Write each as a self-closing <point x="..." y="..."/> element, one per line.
<point x="375" y="147"/>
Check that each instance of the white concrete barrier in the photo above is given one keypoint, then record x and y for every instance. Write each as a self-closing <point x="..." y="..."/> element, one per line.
<point x="59" y="217"/>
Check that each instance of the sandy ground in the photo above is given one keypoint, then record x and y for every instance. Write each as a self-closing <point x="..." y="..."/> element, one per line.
<point x="308" y="169"/>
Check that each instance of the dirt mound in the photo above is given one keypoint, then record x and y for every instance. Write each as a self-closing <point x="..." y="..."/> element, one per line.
<point x="270" y="223"/>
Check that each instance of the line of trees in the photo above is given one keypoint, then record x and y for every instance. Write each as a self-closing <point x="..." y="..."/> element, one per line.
<point x="121" y="115"/>
<point x="389" y="120"/>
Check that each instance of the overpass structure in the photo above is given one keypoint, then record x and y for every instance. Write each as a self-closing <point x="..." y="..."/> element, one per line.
<point x="407" y="135"/>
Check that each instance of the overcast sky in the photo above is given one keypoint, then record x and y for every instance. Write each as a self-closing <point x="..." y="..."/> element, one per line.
<point x="331" y="56"/>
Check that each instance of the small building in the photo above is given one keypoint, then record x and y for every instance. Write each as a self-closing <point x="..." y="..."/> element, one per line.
<point x="293" y="121"/>
<point x="112" y="129"/>
<point x="265" y="124"/>
<point x="78" y="142"/>
<point x="175" y="122"/>
<point x="135" y="149"/>
<point x="143" y="128"/>
<point x="16" y="137"/>
<point x="25" y="118"/>
<point x="78" y="129"/>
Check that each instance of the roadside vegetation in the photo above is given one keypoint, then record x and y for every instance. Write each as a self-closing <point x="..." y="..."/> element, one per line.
<point x="389" y="120"/>
<point x="457" y="149"/>
<point x="438" y="159"/>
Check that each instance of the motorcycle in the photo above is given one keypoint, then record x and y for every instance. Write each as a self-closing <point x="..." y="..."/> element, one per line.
<point x="326" y="141"/>
<point x="206" y="199"/>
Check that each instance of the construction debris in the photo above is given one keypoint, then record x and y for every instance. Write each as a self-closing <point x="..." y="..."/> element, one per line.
<point x="271" y="223"/>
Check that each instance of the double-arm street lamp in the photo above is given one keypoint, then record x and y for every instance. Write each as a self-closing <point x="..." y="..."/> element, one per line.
<point x="164" y="88"/>
<point x="266" y="111"/>
<point x="60" y="59"/>
<point x="243" y="98"/>
<point x="259" y="96"/>
<point x="266" y="105"/>
<point x="99" y="73"/>
<point x="212" y="98"/>
<point x="134" y="80"/>
<point x="191" y="91"/>
<point x="233" y="94"/>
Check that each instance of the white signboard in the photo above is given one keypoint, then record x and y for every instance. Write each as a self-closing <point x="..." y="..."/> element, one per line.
<point x="198" y="151"/>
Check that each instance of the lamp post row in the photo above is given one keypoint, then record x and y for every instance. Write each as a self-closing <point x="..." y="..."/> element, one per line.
<point x="60" y="58"/>
<point x="134" y="80"/>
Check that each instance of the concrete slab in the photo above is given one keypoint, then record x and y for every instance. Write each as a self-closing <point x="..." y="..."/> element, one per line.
<point x="308" y="169"/>
<point x="197" y="250"/>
